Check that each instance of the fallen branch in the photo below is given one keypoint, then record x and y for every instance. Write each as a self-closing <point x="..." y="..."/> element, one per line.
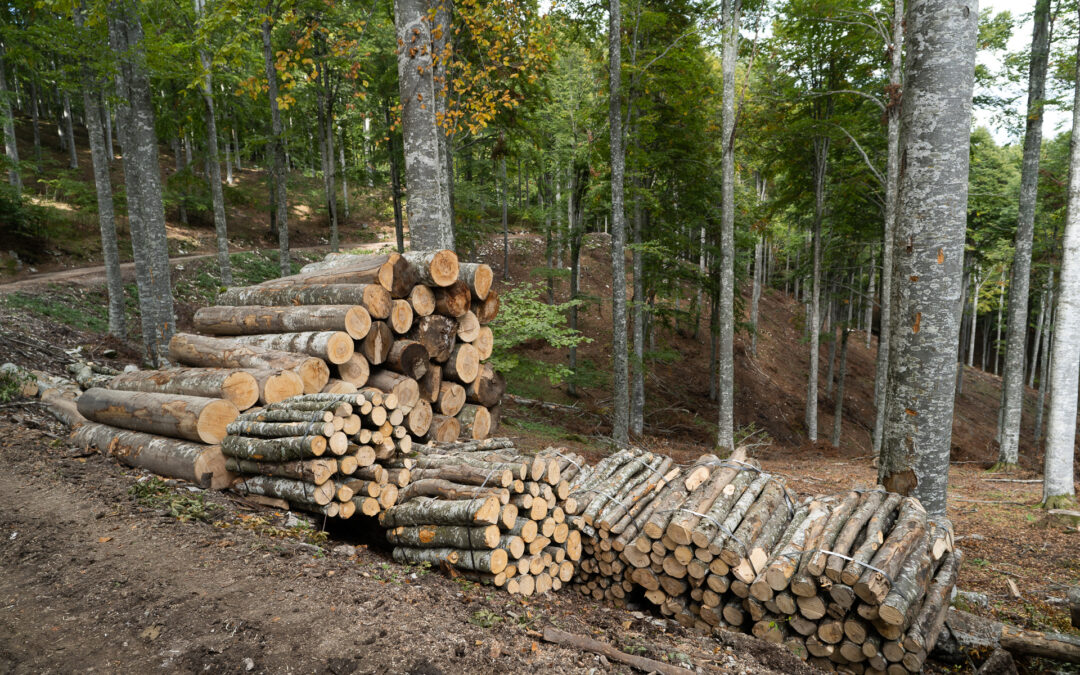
<point x="582" y="643"/>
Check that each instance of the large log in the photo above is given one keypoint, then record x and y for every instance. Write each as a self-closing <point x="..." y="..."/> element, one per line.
<point x="373" y="297"/>
<point x="257" y="319"/>
<point x="475" y="421"/>
<point x="376" y="346"/>
<point x="451" y="398"/>
<point x="909" y="586"/>
<point x="237" y="386"/>
<point x="478" y="277"/>
<point x="294" y="491"/>
<point x="443" y="429"/>
<point x="468" y="327"/>
<point x="331" y="346"/>
<point x="968" y="633"/>
<point x="194" y="418"/>
<point x="418" y="420"/>
<point x="488" y="387"/>
<point x="405" y="388"/>
<point x="203" y="465"/>
<point x="276" y="385"/>
<point x="348" y="268"/>
<point x="316" y="471"/>
<point x="356" y="370"/>
<point x="487" y="309"/>
<point x="409" y="358"/>
<point x="427" y="511"/>
<point x="434" y="268"/>
<point x="438" y="536"/>
<point x="437" y="333"/>
<point x="211" y="352"/>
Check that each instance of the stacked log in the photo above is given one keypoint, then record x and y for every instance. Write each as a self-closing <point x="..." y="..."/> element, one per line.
<point x="332" y="454"/>
<point x="412" y="326"/>
<point x="490" y="513"/>
<point x="857" y="582"/>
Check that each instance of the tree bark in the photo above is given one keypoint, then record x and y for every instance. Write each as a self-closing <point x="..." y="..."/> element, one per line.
<point x="1017" y="322"/>
<point x="278" y="169"/>
<point x="194" y="418"/>
<point x="931" y="221"/>
<point x="237" y="386"/>
<point x="620" y="380"/>
<point x="427" y="207"/>
<point x="146" y="211"/>
<point x="725" y="439"/>
<point x="208" y="352"/>
<point x="254" y="319"/>
<point x="200" y="464"/>
<point x="11" y="148"/>
<point x="395" y="180"/>
<point x="69" y="133"/>
<point x="373" y="297"/>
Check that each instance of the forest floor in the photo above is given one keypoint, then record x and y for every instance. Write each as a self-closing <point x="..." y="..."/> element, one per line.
<point x="100" y="573"/>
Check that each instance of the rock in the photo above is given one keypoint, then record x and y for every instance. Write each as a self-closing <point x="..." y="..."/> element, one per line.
<point x="249" y="664"/>
<point x="971" y="598"/>
<point x="109" y="353"/>
<point x="292" y="520"/>
<point x="344" y="550"/>
<point x="999" y="663"/>
<point x="131" y="368"/>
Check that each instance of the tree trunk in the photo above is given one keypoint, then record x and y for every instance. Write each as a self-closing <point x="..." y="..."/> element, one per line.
<point x="821" y="154"/>
<point x="373" y="297"/>
<point x="575" y="198"/>
<point x="442" y="48"/>
<point x="838" y="409"/>
<point x="278" y="169"/>
<point x="502" y="204"/>
<point x="868" y="319"/>
<point x="637" y="394"/>
<point x="725" y="439"/>
<point x="11" y="148"/>
<point x="216" y="194"/>
<point x="1058" y="472"/>
<point x="427" y="205"/>
<point x="620" y="378"/>
<point x="1017" y="328"/>
<point x="100" y="154"/>
<point x="892" y="182"/>
<point x="106" y="121"/>
<point x="395" y="180"/>
<point x="931" y="218"/>
<point x="146" y="212"/>
<point x="344" y="176"/>
<point x="69" y="134"/>
<point x="755" y="295"/>
<point x="1038" y="337"/>
<point x="35" y="113"/>
<point x="1048" y="338"/>
<point x="976" y="283"/>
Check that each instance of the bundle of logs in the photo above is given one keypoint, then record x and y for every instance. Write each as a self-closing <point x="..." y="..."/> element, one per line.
<point x="332" y="454"/>
<point x="414" y="325"/>
<point x="856" y="583"/>
<point x="488" y="512"/>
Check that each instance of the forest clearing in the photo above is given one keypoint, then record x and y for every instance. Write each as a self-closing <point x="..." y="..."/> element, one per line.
<point x="632" y="336"/>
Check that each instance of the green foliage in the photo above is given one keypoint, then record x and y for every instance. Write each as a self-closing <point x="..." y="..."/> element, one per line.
<point x="154" y="492"/>
<point x="11" y="382"/>
<point x="485" y="618"/>
<point x="59" y="307"/>
<point x="525" y="320"/>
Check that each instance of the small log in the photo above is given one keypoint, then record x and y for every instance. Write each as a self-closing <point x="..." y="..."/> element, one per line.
<point x="280" y="429"/>
<point x="355" y="371"/>
<point x="444" y="489"/>
<point x="706" y="528"/>
<point x="237" y="386"/>
<point x="468" y="329"/>
<point x="475" y="421"/>
<point x="419" y="419"/>
<point x="737" y="546"/>
<point x="274" y="450"/>
<point x="487" y="309"/>
<point x="296" y="492"/>
<point x="209" y="352"/>
<point x="845" y="539"/>
<point x="923" y="630"/>
<point x="463" y="364"/>
<point x="404" y="388"/>
<point x="373" y="297"/>
<point x="873" y="538"/>
<point x="453" y="301"/>
<point x="700" y="501"/>
<point x="786" y="561"/>
<point x="409" y="358"/>
<point x="451" y="399"/>
<point x="336" y="386"/>
<point x="443" y="429"/>
<point x="199" y="464"/>
<point x="255" y="319"/>
<point x="427" y="511"/>
<point x="434" y="268"/>
<point x="194" y="418"/>
<point x="488" y="387"/>
<point x="478" y="277"/>
<point x="376" y="346"/>
<point x="431" y="383"/>
<point x="422" y="300"/>
<point x="484" y="342"/>
<point x="840" y="515"/>
<point x="437" y="333"/>
<point x="735" y="515"/>
<point x="969" y="633"/>
<point x="910" y="529"/>
<point x="445" y="536"/>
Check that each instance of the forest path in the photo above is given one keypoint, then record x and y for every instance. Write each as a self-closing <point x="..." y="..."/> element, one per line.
<point x="95" y="274"/>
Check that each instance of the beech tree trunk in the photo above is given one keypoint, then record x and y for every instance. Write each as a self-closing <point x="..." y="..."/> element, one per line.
<point x="1058" y="472"/>
<point x="725" y="438"/>
<point x="278" y="169"/>
<point x="142" y="178"/>
<point x="932" y="219"/>
<point x="429" y="227"/>
<point x="1017" y="323"/>
<point x="100" y="155"/>
<point x="620" y="380"/>
<point x="11" y="148"/>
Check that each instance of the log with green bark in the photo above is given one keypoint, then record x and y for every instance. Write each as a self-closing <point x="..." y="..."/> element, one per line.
<point x="274" y="449"/>
<point x="281" y="429"/>
<point x="316" y="471"/>
<point x="428" y="511"/>
<point x="293" y="491"/>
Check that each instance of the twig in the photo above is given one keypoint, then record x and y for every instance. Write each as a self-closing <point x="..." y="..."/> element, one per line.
<point x="1013" y="480"/>
<point x="580" y="642"/>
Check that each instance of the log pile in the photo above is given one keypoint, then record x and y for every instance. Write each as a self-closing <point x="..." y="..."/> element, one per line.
<point x="855" y="583"/>
<point x="413" y="325"/>
<point x="331" y="454"/>
<point x="490" y="513"/>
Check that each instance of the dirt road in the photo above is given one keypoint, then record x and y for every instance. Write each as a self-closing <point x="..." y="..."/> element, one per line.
<point x="93" y="579"/>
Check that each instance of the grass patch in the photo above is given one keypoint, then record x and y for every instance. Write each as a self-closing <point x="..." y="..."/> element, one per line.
<point x="83" y="315"/>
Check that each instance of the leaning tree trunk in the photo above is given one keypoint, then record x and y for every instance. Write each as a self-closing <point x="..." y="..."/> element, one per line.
<point x="216" y="194"/>
<point x="142" y="177"/>
<point x="281" y="201"/>
<point x="100" y="154"/>
<point x="620" y="380"/>
<point x="1016" y="330"/>
<point x="892" y="180"/>
<point x="1058" y="488"/>
<point x="428" y="228"/>
<point x="10" y="146"/>
<point x="931" y="219"/>
<point x="725" y="439"/>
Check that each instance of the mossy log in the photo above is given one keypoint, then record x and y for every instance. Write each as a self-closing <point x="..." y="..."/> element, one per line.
<point x="445" y="536"/>
<point x="274" y="449"/>
<point x="193" y="418"/>
<point x="294" y="491"/>
<point x="256" y="319"/>
<point x="428" y="511"/>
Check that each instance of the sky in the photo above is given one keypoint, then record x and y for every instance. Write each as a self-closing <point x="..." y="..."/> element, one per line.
<point x="1056" y="120"/>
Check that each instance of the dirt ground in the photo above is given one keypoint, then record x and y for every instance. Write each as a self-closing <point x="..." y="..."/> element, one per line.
<point x="96" y="579"/>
